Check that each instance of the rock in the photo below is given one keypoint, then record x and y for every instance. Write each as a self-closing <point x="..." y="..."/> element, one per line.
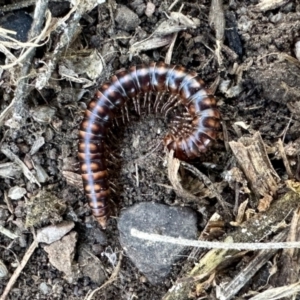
<point x="16" y="192"/>
<point x="20" y="22"/>
<point x="3" y="214"/>
<point x="126" y="18"/>
<point x="53" y="233"/>
<point x="61" y="255"/>
<point x="153" y="259"/>
<point x="91" y="266"/>
<point x="44" y="288"/>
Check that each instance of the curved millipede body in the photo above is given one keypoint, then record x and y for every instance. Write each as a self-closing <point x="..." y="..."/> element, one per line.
<point x="160" y="87"/>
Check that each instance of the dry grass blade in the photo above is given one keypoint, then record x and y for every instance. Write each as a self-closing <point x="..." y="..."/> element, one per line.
<point x="42" y="237"/>
<point x="284" y="159"/>
<point x="19" y="269"/>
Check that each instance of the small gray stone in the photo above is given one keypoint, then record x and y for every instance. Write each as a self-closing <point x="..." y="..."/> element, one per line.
<point x="91" y="266"/>
<point x="44" y="288"/>
<point x="151" y="258"/>
<point x="126" y="18"/>
<point x="61" y="255"/>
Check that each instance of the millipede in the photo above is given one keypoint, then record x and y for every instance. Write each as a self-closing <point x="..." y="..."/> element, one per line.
<point x="160" y="88"/>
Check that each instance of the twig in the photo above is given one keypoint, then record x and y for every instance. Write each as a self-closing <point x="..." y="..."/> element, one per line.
<point x="279" y="292"/>
<point x="23" y="88"/>
<point x="19" y="269"/>
<point x="217" y="22"/>
<point x="212" y="245"/>
<point x="8" y="233"/>
<point x="173" y="4"/>
<point x="66" y="34"/>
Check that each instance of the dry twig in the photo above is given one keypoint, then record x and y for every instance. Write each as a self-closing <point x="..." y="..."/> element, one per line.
<point x="8" y="233"/>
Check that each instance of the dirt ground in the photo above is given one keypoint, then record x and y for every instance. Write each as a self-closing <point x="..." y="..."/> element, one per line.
<point x="256" y="80"/>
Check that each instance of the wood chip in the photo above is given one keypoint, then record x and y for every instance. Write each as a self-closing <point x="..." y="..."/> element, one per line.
<point x="253" y="159"/>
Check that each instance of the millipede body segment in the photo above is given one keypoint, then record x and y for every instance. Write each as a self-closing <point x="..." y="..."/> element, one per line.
<point x="158" y="87"/>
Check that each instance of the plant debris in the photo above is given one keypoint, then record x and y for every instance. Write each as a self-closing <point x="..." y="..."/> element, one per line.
<point x="244" y="189"/>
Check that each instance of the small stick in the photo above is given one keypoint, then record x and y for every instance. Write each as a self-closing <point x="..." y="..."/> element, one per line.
<point x="19" y="269"/>
<point x="17" y="105"/>
<point x="8" y="233"/>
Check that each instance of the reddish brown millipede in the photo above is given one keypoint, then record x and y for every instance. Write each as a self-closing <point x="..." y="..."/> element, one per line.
<point x="156" y="83"/>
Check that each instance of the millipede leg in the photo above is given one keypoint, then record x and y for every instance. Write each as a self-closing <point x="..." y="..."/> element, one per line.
<point x="158" y="100"/>
<point x="169" y="102"/>
<point x="172" y="106"/>
<point x="149" y="102"/>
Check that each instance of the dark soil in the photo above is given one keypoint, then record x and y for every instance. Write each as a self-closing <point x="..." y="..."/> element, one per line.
<point x="267" y="101"/>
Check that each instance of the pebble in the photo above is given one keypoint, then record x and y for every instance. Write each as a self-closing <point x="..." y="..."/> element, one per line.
<point x="20" y="22"/>
<point x="61" y="255"/>
<point x="153" y="259"/>
<point x="126" y="18"/>
<point x="16" y="192"/>
<point x="44" y="288"/>
<point x="91" y="266"/>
